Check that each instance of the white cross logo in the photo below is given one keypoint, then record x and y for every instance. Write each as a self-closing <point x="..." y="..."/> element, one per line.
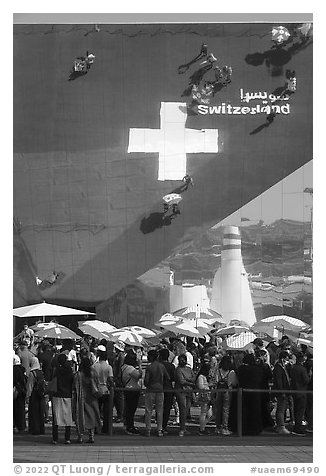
<point x="173" y="141"/>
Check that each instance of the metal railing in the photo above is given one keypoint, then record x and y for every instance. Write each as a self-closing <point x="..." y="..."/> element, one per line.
<point x="240" y="391"/>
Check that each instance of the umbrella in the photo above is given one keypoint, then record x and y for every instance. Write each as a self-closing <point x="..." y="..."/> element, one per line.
<point x="56" y="331"/>
<point x="224" y="331"/>
<point x="287" y="322"/>
<point x="142" y="331"/>
<point x="280" y="34"/>
<point x="40" y="325"/>
<point x="238" y="322"/>
<point x="172" y="198"/>
<point x="167" y="318"/>
<point x="239" y="341"/>
<point x="95" y="328"/>
<point x="196" y="312"/>
<point x="44" y="309"/>
<point x="126" y="336"/>
<point x="185" y="327"/>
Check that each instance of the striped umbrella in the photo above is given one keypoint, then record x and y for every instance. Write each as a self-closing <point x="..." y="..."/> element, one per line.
<point x="197" y="312"/>
<point x="224" y="331"/>
<point x="142" y="331"/>
<point x="287" y="322"/>
<point x="186" y="327"/>
<point x="240" y="341"/>
<point x="95" y="328"/>
<point x="126" y="336"/>
<point x="57" y="331"/>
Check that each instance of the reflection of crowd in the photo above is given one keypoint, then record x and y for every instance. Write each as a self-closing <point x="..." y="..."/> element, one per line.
<point x="175" y="376"/>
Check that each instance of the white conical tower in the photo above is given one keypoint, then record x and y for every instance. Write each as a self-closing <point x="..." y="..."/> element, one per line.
<point x="231" y="295"/>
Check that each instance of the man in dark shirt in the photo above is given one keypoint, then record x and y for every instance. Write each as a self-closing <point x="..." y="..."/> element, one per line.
<point x="299" y="381"/>
<point x="154" y="379"/>
<point x="281" y="380"/>
<point x="167" y="385"/>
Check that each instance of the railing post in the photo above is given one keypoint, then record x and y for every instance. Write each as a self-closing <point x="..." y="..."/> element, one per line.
<point x="111" y="400"/>
<point x="239" y="412"/>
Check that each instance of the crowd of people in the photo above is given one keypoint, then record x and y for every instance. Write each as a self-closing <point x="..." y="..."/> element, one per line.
<point x="70" y="385"/>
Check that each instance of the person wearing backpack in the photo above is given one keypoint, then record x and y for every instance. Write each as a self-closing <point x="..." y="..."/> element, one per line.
<point x="225" y="380"/>
<point x="35" y="398"/>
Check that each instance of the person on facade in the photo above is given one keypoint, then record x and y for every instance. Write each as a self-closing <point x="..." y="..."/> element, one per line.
<point x="35" y="398"/>
<point x="19" y="383"/>
<point x="184" y="384"/>
<point x="86" y="413"/>
<point x="202" y="54"/>
<point x="131" y="373"/>
<point x="154" y="378"/>
<point x="61" y="399"/>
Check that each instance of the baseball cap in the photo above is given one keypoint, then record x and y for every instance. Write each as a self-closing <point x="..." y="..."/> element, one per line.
<point x="101" y="348"/>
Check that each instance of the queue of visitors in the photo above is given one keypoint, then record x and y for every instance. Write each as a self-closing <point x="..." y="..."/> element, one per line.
<point x="72" y="385"/>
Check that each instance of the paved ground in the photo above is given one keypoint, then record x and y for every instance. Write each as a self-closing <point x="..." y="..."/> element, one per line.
<point x="266" y="448"/>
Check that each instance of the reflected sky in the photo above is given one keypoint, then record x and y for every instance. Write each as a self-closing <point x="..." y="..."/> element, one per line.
<point x="285" y="200"/>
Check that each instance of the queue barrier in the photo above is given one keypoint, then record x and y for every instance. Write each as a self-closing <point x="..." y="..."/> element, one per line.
<point x="238" y="390"/>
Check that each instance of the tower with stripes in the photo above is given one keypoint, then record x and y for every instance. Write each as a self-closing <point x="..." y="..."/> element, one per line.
<point x="231" y="295"/>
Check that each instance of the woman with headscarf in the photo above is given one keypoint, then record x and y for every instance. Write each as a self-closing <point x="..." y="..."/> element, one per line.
<point x="86" y="413"/>
<point x="61" y="399"/>
<point x="34" y="399"/>
<point x="19" y="382"/>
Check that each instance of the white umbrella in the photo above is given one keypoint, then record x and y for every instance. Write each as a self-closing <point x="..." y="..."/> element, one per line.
<point x="172" y="198"/>
<point x="185" y="327"/>
<point x="126" y="336"/>
<point x="56" y="331"/>
<point x="197" y="312"/>
<point x="280" y="34"/>
<point x="240" y="341"/>
<point x="142" y="331"/>
<point x="44" y="309"/>
<point x="287" y="322"/>
<point x="224" y="331"/>
<point x="167" y="318"/>
<point x="95" y="328"/>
